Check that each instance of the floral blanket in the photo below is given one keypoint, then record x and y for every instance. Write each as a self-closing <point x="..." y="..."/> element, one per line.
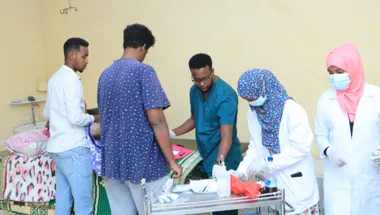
<point x="30" y="179"/>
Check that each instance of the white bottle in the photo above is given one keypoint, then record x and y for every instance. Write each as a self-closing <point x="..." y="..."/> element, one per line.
<point x="224" y="187"/>
<point x="271" y="186"/>
<point x="271" y="180"/>
<point x="223" y="181"/>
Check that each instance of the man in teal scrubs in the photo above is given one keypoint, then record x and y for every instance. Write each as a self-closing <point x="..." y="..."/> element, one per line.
<point x="214" y="107"/>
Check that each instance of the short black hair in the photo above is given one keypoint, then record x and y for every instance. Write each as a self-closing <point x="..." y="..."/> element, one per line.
<point x="199" y="61"/>
<point x="138" y="35"/>
<point x="74" y="44"/>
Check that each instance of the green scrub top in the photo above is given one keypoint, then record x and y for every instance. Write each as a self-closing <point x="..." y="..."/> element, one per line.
<point x="220" y="108"/>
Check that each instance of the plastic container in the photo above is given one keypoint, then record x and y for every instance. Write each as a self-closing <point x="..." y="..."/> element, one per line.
<point x="224" y="185"/>
<point x="271" y="180"/>
<point x="223" y="181"/>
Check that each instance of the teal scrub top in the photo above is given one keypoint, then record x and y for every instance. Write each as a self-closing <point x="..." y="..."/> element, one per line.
<point x="220" y="108"/>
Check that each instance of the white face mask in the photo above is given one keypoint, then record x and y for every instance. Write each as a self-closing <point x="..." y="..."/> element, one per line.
<point x="258" y="102"/>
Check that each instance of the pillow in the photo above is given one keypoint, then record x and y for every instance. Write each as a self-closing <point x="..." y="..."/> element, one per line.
<point x="29" y="143"/>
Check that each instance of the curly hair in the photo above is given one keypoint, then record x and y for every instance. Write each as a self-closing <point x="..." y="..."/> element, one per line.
<point x="138" y="35"/>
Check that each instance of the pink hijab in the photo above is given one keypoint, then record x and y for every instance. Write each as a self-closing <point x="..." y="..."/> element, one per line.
<point x="347" y="57"/>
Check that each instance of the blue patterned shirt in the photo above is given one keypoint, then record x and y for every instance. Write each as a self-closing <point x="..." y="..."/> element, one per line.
<point x="130" y="152"/>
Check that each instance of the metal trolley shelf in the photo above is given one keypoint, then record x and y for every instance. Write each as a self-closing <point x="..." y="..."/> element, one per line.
<point x="205" y="203"/>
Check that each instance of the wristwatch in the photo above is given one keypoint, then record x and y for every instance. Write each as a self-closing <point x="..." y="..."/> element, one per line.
<point x="218" y="162"/>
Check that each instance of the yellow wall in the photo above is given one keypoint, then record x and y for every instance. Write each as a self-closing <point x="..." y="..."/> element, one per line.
<point x="291" y="38"/>
<point x="21" y="60"/>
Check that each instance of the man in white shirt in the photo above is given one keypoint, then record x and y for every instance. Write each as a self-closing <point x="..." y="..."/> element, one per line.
<point x="68" y="146"/>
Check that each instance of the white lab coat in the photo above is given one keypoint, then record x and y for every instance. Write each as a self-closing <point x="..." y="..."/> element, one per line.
<point x="295" y="143"/>
<point x="353" y="189"/>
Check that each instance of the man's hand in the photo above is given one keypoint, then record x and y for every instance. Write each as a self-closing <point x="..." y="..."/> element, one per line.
<point x="172" y="134"/>
<point x="184" y="128"/>
<point x="47" y="125"/>
<point x="177" y="169"/>
<point x="157" y="120"/>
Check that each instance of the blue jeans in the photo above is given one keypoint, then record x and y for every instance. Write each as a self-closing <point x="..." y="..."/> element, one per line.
<point x="74" y="181"/>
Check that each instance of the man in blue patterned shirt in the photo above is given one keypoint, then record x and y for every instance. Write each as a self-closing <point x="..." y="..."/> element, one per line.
<point x="134" y="132"/>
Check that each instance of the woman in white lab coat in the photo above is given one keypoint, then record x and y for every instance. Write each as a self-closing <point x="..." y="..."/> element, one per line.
<point x="279" y="127"/>
<point x="347" y="130"/>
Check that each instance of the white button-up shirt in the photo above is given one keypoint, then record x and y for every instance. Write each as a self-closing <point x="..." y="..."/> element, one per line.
<point x="65" y="110"/>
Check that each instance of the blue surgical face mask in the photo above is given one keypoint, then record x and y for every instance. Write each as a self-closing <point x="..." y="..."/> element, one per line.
<point x="340" y="81"/>
<point x="258" y="102"/>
